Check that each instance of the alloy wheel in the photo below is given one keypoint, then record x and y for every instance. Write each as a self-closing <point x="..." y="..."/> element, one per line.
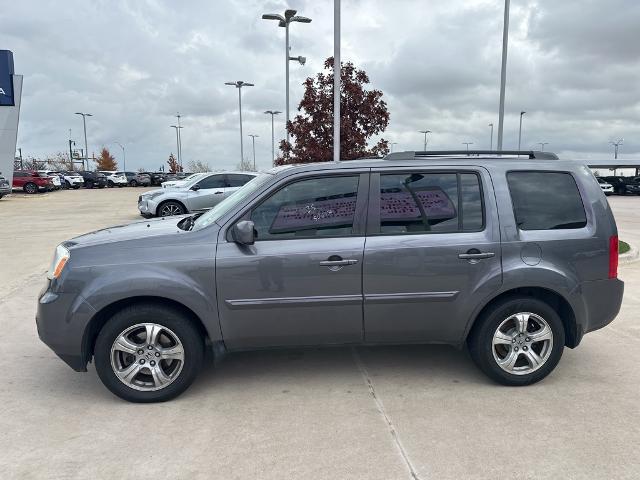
<point x="522" y="343"/>
<point x="147" y="357"/>
<point x="170" y="209"/>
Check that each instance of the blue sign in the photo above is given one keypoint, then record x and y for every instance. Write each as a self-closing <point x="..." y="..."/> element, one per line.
<point x="6" y="79"/>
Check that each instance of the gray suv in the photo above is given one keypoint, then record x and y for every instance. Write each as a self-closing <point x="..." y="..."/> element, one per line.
<point x="514" y="257"/>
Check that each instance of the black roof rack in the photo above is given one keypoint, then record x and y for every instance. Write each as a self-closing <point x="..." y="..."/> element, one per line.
<point x="531" y="154"/>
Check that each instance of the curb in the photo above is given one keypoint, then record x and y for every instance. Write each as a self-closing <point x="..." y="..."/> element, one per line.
<point x="631" y="256"/>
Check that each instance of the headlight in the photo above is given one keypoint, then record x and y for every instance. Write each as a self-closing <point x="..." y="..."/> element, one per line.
<point x="60" y="259"/>
<point x="152" y="195"/>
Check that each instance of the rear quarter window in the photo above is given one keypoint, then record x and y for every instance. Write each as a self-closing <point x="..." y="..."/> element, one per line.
<point x="546" y="201"/>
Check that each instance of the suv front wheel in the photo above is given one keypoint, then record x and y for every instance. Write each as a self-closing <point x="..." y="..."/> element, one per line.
<point x="148" y="353"/>
<point x="518" y="341"/>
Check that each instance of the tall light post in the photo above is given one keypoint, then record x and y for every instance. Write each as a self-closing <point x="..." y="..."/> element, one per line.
<point x="284" y="21"/>
<point x="239" y="84"/>
<point x="124" y="156"/>
<point x="503" y="72"/>
<point x="520" y="130"/>
<point x="491" y="143"/>
<point x="84" y="125"/>
<point x="253" y="140"/>
<point x="426" y="142"/>
<point x="467" y="144"/>
<point x="273" y="113"/>
<point x="337" y="80"/>
<point x="542" y="144"/>
<point x="178" y="128"/>
<point x="179" y="140"/>
<point x="616" y="146"/>
<point x="392" y="144"/>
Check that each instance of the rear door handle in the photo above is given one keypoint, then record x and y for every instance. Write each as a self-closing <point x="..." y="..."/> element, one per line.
<point x="218" y="193"/>
<point x="338" y="263"/>
<point x="476" y="255"/>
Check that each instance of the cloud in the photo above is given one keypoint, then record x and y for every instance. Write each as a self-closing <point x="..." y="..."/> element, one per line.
<point x="573" y="66"/>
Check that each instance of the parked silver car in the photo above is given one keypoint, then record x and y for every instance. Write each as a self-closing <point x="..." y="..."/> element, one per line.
<point x="199" y="194"/>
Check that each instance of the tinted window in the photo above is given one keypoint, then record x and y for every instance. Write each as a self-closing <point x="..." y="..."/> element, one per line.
<point x="430" y="203"/>
<point x="18" y="174"/>
<point x="546" y="201"/>
<point x="317" y="207"/>
<point x="214" y="181"/>
<point x="238" y="180"/>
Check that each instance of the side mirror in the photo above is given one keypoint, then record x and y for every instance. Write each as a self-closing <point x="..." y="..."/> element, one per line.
<point x="195" y="188"/>
<point x="244" y="232"/>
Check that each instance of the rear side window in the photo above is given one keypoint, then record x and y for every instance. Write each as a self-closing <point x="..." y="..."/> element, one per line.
<point x="430" y="203"/>
<point x="238" y="180"/>
<point x="214" y="181"/>
<point x="546" y="201"/>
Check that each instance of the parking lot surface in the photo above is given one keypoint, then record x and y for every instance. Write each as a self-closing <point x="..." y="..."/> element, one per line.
<point x="419" y="412"/>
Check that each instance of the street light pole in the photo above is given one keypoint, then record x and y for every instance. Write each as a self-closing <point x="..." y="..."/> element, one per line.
<point x="392" y="144"/>
<point x="520" y="131"/>
<point x="84" y="125"/>
<point x="337" y="80"/>
<point x="253" y="139"/>
<point x="177" y="127"/>
<point x="542" y="144"/>
<point x="124" y="156"/>
<point x="239" y="84"/>
<point x="426" y="142"/>
<point x="179" y="141"/>
<point x="503" y="73"/>
<point x="491" y="144"/>
<point x="616" y="145"/>
<point x="467" y="144"/>
<point x="284" y="21"/>
<point x="273" y="113"/>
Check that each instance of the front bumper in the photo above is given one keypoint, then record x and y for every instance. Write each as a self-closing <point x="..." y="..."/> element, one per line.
<point x="147" y="207"/>
<point x="62" y="320"/>
<point x="5" y="190"/>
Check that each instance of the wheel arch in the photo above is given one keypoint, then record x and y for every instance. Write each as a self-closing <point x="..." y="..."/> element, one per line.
<point x="554" y="299"/>
<point x="99" y="320"/>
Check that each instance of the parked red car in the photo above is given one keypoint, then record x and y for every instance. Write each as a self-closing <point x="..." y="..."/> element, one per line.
<point x="31" y="182"/>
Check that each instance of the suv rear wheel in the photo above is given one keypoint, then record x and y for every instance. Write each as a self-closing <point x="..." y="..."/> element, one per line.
<point x="148" y="353"/>
<point x="31" y="188"/>
<point x="518" y="341"/>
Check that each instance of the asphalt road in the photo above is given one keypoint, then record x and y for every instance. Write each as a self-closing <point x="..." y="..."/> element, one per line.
<point x="367" y="413"/>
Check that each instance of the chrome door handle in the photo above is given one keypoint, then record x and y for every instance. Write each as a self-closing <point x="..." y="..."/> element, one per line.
<point x="338" y="263"/>
<point x="476" y="256"/>
<point x="218" y="193"/>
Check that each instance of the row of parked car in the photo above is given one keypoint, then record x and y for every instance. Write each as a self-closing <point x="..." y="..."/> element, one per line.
<point x="620" y="185"/>
<point x="34" y="181"/>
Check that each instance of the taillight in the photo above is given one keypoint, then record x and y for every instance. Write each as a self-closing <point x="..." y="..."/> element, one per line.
<point x="613" y="257"/>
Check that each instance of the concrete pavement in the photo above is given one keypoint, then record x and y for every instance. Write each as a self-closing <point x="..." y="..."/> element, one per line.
<point x="367" y="413"/>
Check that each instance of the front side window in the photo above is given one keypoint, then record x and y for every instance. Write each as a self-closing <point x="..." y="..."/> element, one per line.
<point x="546" y="201"/>
<point x="214" y="181"/>
<point x="317" y="207"/>
<point x="430" y="203"/>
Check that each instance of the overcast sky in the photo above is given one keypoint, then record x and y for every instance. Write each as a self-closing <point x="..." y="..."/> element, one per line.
<point x="574" y="66"/>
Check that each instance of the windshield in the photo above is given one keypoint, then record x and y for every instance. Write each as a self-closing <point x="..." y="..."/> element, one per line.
<point x="192" y="179"/>
<point x="233" y="200"/>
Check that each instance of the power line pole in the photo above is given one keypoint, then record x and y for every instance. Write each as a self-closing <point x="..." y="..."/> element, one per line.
<point x="542" y="144"/>
<point x="520" y="131"/>
<point x="253" y="140"/>
<point x="616" y="145"/>
<point x="273" y="138"/>
<point x="84" y="125"/>
<point x="467" y="144"/>
<point x="491" y="143"/>
<point x="239" y="84"/>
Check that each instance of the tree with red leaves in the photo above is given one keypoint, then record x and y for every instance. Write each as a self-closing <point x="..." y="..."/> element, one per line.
<point x="363" y="115"/>
<point x="174" y="167"/>
<point x="106" y="162"/>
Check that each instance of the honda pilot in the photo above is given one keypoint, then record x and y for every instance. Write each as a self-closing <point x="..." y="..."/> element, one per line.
<point x="514" y="257"/>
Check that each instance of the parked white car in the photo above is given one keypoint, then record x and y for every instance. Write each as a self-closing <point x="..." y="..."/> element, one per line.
<point x="72" y="179"/>
<point x="184" y="181"/>
<point x="115" y="179"/>
<point x="606" y="187"/>
<point x="197" y="195"/>
<point x="55" y="179"/>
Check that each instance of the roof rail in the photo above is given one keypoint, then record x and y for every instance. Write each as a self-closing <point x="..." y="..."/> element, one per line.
<point x="531" y="154"/>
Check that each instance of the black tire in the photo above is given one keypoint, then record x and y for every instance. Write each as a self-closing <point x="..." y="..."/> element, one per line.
<point x="110" y="184"/>
<point x="480" y="339"/>
<point x="31" y="188"/>
<point x="167" y="317"/>
<point x="133" y="183"/>
<point x="176" y="207"/>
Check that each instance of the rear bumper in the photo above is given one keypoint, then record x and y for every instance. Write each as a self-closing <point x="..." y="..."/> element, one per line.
<point x="603" y="299"/>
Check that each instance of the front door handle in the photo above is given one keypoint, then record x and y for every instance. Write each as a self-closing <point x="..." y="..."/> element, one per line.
<point x="218" y="193"/>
